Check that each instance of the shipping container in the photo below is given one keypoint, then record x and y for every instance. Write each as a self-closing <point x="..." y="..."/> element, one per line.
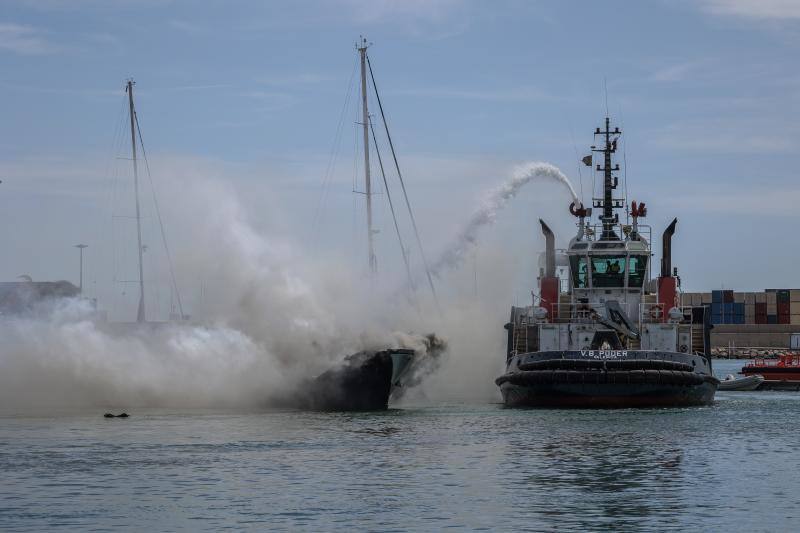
<point x="750" y="298"/>
<point x="738" y="308"/>
<point x="705" y="298"/>
<point x="727" y="296"/>
<point x="761" y="297"/>
<point x="738" y="297"/>
<point x="794" y="319"/>
<point x="697" y="299"/>
<point x="772" y="308"/>
<point x="716" y="297"/>
<point x="761" y="319"/>
<point x="772" y="319"/>
<point x="783" y="296"/>
<point x="784" y="308"/>
<point x="794" y="295"/>
<point x="772" y="298"/>
<point x="783" y="319"/>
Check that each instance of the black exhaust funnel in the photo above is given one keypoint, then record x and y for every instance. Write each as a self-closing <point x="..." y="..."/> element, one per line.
<point x="550" y="251"/>
<point x="666" y="249"/>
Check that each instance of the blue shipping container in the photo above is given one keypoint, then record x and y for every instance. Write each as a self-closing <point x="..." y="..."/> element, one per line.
<point x="727" y="308"/>
<point x="716" y="297"/>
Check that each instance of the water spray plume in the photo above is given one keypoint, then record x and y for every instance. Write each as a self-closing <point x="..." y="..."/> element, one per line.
<point x="496" y="200"/>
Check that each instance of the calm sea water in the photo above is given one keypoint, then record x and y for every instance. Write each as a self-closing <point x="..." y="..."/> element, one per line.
<point x="731" y="466"/>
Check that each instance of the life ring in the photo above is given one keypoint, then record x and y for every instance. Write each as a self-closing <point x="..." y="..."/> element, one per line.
<point x="657" y="311"/>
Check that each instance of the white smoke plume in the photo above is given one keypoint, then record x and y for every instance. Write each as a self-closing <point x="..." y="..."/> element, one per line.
<point x="496" y="200"/>
<point x="270" y="318"/>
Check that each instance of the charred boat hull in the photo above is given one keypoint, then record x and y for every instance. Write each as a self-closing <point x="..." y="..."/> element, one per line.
<point x="363" y="382"/>
<point x="587" y="379"/>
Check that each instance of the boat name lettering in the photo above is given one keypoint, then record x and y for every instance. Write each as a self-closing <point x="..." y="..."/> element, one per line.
<point x="604" y="354"/>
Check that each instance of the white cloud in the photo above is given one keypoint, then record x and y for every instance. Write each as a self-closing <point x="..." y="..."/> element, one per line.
<point x="727" y="136"/>
<point x="383" y="10"/>
<point x="677" y="72"/>
<point x="301" y="78"/>
<point x="767" y="200"/>
<point x="25" y="40"/>
<point x="759" y="9"/>
<point x="518" y="94"/>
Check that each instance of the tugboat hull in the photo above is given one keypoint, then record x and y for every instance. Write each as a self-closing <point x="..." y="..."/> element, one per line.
<point x="613" y="379"/>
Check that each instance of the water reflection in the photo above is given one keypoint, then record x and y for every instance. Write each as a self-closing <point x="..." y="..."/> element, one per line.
<point x="584" y="479"/>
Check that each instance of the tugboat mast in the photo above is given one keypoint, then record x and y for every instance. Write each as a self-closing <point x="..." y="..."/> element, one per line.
<point x="610" y="182"/>
<point x="140" y="312"/>
<point x="362" y="50"/>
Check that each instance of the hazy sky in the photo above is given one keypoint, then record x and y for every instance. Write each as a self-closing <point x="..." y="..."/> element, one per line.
<point x="250" y="93"/>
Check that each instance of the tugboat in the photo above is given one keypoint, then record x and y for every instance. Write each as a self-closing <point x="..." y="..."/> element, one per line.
<point x="608" y="336"/>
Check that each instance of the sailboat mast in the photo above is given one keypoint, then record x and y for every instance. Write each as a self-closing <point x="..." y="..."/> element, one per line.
<point x="132" y="112"/>
<point x="362" y="50"/>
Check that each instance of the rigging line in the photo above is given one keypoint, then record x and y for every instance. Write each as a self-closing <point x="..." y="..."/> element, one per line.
<point x="403" y="186"/>
<point x="158" y="215"/>
<point x="624" y="165"/>
<point x="391" y="208"/>
<point x="334" y="155"/>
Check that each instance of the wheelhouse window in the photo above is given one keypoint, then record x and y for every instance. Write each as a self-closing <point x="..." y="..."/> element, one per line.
<point x="608" y="270"/>
<point x="637" y="269"/>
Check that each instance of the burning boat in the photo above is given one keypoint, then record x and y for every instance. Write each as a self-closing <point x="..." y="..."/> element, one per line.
<point x="368" y="380"/>
<point x="605" y="334"/>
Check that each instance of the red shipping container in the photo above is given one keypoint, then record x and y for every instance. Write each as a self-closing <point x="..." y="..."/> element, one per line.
<point x="761" y="308"/>
<point x="783" y="308"/>
<point x="761" y="319"/>
<point x="784" y="319"/>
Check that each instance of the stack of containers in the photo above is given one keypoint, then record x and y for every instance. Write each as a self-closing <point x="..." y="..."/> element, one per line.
<point x="772" y="306"/>
<point x="784" y="307"/>
<point x="750" y="308"/>
<point x="728" y="309"/>
<point x="724" y="310"/>
<point x="737" y="315"/>
<point x="794" y="306"/>
<point x="705" y="299"/>
<point x="761" y="308"/>
<point x="716" y="308"/>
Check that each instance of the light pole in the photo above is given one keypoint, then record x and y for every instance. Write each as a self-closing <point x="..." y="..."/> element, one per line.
<point x="81" y="247"/>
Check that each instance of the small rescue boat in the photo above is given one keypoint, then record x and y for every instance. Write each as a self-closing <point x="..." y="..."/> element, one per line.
<point x="746" y="383"/>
